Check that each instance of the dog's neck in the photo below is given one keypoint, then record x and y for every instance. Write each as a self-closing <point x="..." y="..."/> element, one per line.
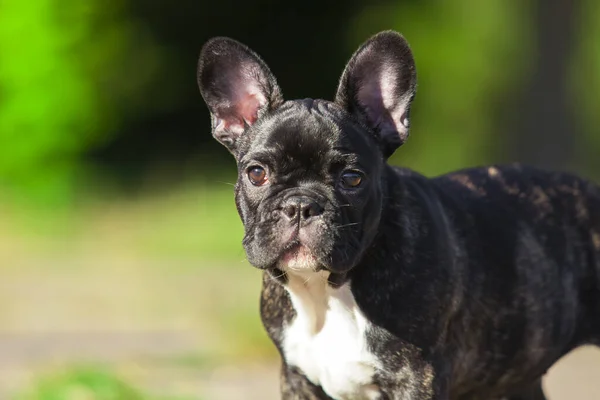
<point x="309" y="292"/>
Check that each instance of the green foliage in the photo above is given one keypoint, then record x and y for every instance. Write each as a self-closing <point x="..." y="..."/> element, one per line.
<point x="47" y="104"/>
<point x="58" y="92"/>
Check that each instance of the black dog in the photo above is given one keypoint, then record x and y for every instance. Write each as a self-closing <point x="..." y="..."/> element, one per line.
<point x="381" y="283"/>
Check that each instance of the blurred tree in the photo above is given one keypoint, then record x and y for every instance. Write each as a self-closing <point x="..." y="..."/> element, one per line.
<point x="58" y="88"/>
<point x="585" y="89"/>
<point x="47" y="104"/>
<point x="545" y="132"/>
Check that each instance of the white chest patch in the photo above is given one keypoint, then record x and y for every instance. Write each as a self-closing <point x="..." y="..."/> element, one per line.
<point x="326" y="340"/>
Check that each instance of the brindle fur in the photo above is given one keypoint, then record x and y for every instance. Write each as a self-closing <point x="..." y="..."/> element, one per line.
<point x="497" y="276"/>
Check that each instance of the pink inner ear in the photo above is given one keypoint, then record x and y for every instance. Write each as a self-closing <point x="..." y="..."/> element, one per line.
<point x="243" y="112"/>
<point x="247" y="108"/>
<point x="243" y="97"/>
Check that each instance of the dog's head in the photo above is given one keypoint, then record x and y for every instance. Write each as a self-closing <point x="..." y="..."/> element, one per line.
<point x="309" y="188"/>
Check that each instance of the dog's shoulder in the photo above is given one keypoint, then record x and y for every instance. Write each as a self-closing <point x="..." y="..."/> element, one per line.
<point x="509" y="200"/>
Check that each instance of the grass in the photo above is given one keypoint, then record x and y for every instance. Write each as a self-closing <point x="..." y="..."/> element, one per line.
<point x="195" y="222"/>
<point x="85" y="383"/>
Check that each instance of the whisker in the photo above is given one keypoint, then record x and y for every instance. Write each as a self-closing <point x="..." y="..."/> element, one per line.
<point x="225" y="183"/>
<point x="346" y="225"/>
<point x="274" y="278"/>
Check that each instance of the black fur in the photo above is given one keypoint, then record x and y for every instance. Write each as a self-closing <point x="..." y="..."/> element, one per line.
<point x="475" y="282"/>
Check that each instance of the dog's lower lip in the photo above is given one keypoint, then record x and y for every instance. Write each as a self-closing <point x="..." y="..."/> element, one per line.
<point x="297" y="255"/>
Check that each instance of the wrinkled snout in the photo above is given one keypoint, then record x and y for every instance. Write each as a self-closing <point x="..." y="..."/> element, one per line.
<point x="301" y="210"/>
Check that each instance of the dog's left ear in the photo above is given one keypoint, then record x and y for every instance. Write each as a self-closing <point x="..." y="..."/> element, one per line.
<point x="378" y="86"/>
<point x="237" y="86"/>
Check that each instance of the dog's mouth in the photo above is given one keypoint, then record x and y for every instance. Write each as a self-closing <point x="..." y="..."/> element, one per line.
<point x="298" y="257"/>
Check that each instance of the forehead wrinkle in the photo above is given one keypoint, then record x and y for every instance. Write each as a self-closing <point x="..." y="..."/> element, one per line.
<point x="306" y="138"/>
<point x="310" y="138"/>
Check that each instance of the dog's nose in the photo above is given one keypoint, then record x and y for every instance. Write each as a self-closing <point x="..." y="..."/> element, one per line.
<point x="301" y="209"/>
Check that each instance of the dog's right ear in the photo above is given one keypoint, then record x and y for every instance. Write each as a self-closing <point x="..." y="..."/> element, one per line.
<point x="237" y="87"/>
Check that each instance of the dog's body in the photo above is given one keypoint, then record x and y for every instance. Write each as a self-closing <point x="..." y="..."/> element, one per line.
<point x="495" y="274"/>
<point x="381" y="283"/>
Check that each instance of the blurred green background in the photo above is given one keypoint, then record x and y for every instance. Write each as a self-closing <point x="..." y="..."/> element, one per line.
<point x="122" y="272"/>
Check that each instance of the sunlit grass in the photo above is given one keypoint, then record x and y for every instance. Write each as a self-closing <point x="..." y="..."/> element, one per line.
<point x="87" y="383"/>
<point x="190" y="223"/>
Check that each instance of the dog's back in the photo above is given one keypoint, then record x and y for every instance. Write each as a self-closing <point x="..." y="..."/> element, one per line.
<point x="530" y="245"/>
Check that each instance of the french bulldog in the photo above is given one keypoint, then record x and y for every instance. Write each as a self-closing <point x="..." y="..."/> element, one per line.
<point x="381" y="283"/>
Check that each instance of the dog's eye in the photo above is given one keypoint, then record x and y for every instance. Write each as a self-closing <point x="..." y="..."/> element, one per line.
<point x="257" y="175"/>
<point x="351" y="179"/>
